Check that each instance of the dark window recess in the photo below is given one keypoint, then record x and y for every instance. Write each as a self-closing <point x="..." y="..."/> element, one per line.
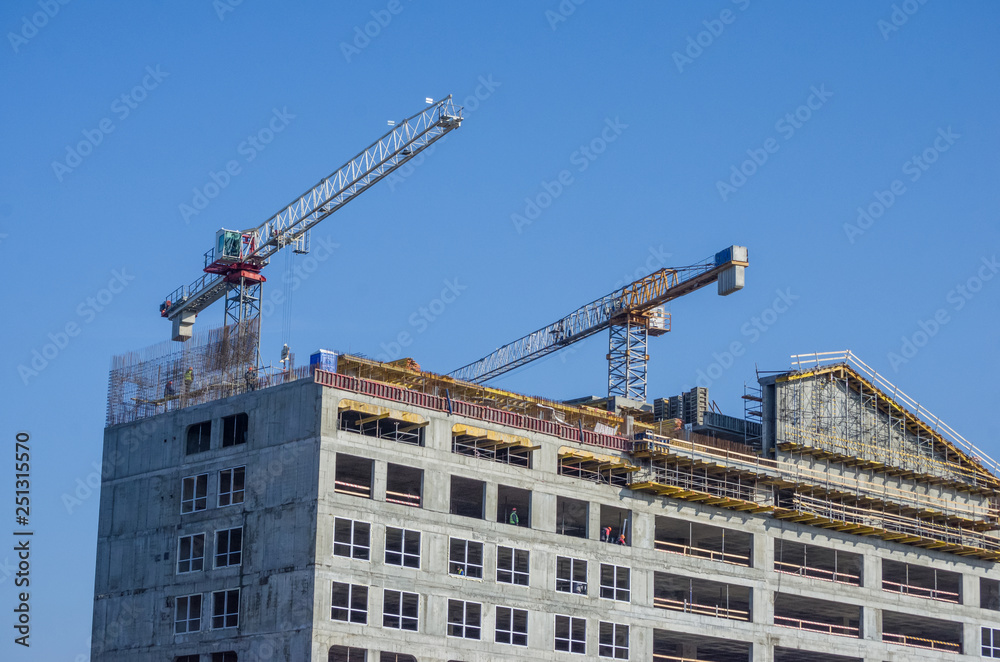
<point x="615" y="582"/>
<point x="404" y="485"/>
<point x="473" y="443"/>
<point x="706" y="541"/>
<point x="514" y="506"/>
<point x="921" y="582"/>
<point x="571" y="517"/>
<point x="989" y="594"/>
<point x="383" y="427"/>
<point x="829" y="565"/>
<point x="613" y="641"/>
<point x="187" y="658"/>
<point x="468" y="497"/>
<point x="511" y="626"/>
<point x="702" y="596"/>
<point x="464" y="619"/>
<point x="234" y="429"/>
<point x="347" y="654"/>
<point x="400" y="610"/>
<point x="199" y="437"/>
<point x="571" y="575"/>
<point x="402" y="547"/>
<point x="354" y="476"/>
<point x="512" y="566"/>
<point x="616" y="525"/>
<point x="395" y="657"/>
<point x="571" y="634"/>
<point x="225" y="656"/>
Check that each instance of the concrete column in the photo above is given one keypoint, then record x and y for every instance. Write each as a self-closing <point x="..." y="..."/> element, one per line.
<point x="490" y="503"/>
<point x="543" y="512"/>
<point x="971" y="639"/>
<point x="762" y="598"/>
<point x="871" y="578"/>
<point x="379" y="481"/>
<point x="762" y="553"/>
<point x="970" y="590"/>
<point x="643" y="530"/>
<point x="437" y="491"/>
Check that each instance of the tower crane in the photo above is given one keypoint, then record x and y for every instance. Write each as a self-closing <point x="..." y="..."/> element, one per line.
<point x="232" y="267"/>
<point x="632" y="313"/>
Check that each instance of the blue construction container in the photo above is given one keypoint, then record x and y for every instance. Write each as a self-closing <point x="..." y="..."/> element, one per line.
<point x="324" y="360"/>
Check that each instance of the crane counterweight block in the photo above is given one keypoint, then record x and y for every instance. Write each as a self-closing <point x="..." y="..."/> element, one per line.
<point x="238" y="275"/>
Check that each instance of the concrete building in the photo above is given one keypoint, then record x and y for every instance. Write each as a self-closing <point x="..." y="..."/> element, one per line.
<point x="375" y="513"/>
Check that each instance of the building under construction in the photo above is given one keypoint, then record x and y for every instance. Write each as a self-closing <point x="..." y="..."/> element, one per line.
<point x="351" y="510"/>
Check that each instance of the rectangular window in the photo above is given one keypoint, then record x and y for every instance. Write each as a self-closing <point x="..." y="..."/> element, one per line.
<point x="351" y="539"/>
<point x="225" y="609"/>
<point x="199" y="436"/>
<point x="512" y="566"/>
<point x="234" y="430"/>
<point x="395" y="657"/>
<point x="615" y="525"/>
<point x="571" y="634"/>
<point x="464" y="619"/>
<point x="613" y="641"/>
<point x="991" y="643"/>
<point x="402" y="547"/>
<point x="347" y="654"/>
<point x="188" y="658"/>
<point x="231" y="486"/>
<point x="512" y="626"/>
<point x="404" y="485"/>
<point x="225" y="656"/>
<point x="191" y="553"/>
<point x="615" y="583"/>
<point x="468" y="497"/>
<point x="187" y="614"/>
<point x="400" y="610"/>
<point x="571" y="575"/>
<point x="350" y="603"/>
<point x="229" y="547"/>
<point x="354" y="476"/>
<point x="194" y="493"/>
<point x="466" y="558"/>
<point x="571" y="517"/>
<point x="989" y="594"/>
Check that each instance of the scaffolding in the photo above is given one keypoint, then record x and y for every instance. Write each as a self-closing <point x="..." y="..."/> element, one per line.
<point x="833" y="402"/>
<point x="211" y="365"/>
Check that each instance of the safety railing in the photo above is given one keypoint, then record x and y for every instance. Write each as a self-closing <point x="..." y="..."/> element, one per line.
<point x="689" y="607"/>
<point x="817" y="626"/>
<point x="699" y="552"/>
<point x="469" y="410"/>
<point x="921" y="592"/>
<point x="817" y="573"/>
<point x="921" y="642"/>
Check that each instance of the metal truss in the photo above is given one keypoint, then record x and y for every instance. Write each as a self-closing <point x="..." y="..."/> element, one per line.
<point x="399" y="145"/>
<point x="627" y="357"/>
<point x="638" y="298"/>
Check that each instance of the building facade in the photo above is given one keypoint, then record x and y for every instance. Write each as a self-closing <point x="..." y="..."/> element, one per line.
<point x="372" y="512"/>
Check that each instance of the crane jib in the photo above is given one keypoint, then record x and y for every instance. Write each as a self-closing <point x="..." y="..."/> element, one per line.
<point x="249" y="250"/>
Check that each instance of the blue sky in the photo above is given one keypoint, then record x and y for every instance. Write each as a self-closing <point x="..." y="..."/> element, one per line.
<point x="825" y="107"/>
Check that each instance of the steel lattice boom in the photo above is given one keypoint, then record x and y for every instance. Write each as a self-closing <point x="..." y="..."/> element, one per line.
<point x="636" y="308"/>
<point x="240" y="269"/>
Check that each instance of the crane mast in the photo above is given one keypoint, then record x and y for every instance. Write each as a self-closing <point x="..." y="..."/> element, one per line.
<point x="232" y="268"/>
<point x="632" y="313"/>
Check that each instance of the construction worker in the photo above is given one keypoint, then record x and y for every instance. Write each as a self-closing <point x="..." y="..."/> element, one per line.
<point x="251" y="378"/>
<point x="606" y="534"/>
<point x="514" y="519"/>
<point x="168" y="390"/>
<point x="621" y="538"/>
<point x="188" y="379"/>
